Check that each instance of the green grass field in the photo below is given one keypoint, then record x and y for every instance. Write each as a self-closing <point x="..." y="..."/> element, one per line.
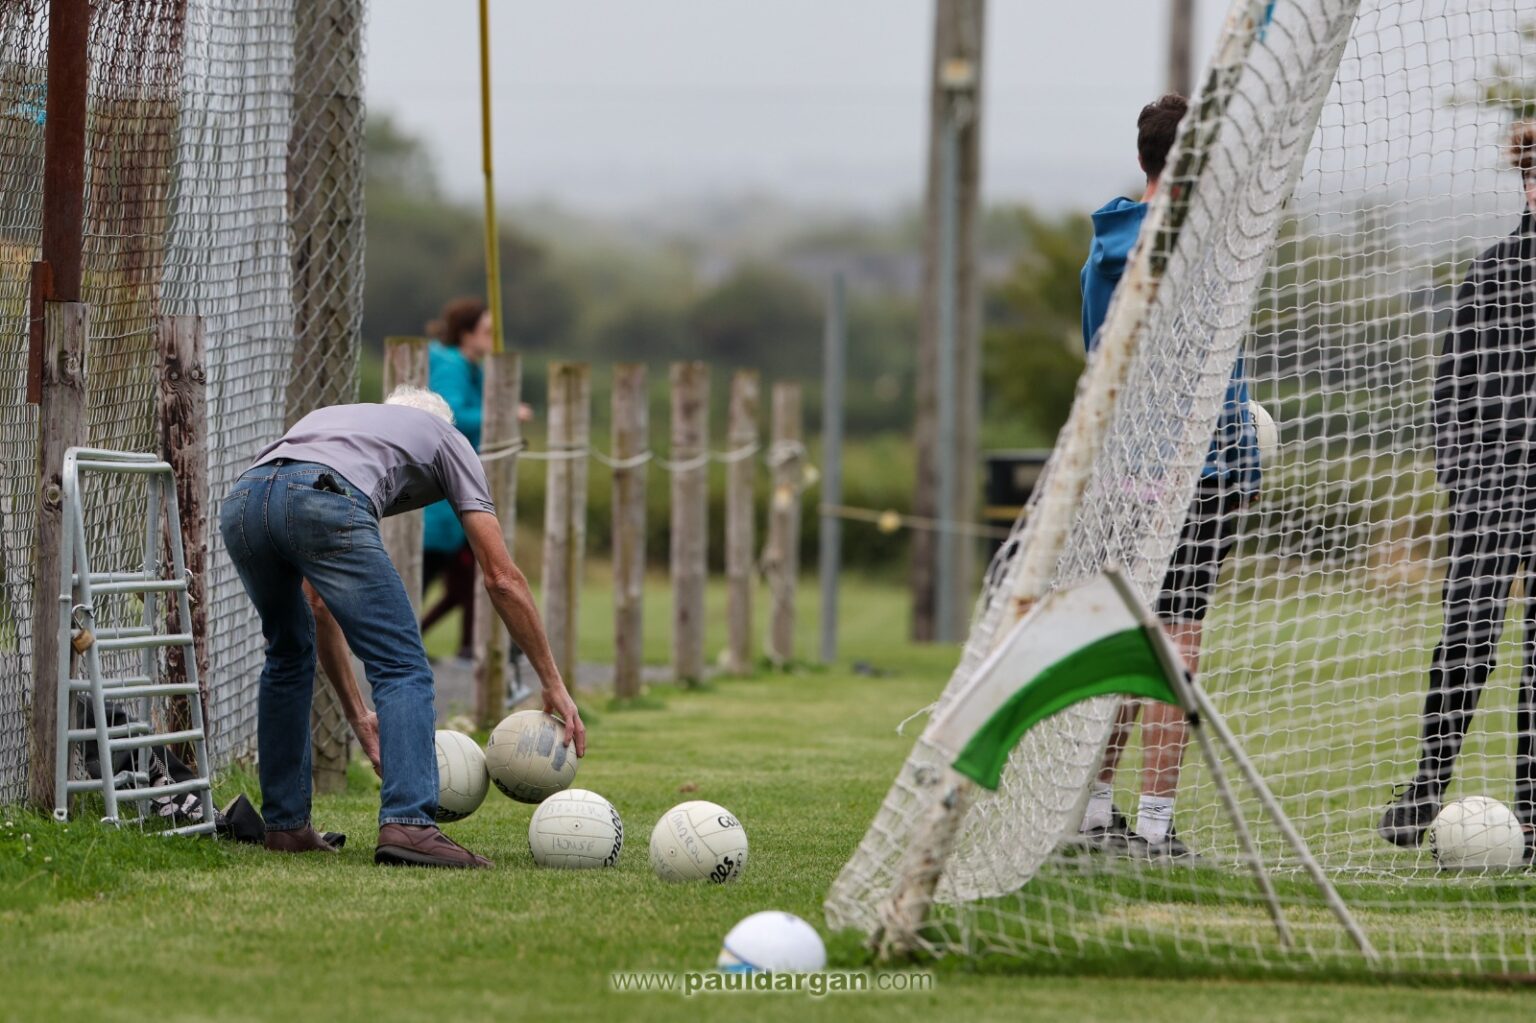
<point x="106" y="925"/>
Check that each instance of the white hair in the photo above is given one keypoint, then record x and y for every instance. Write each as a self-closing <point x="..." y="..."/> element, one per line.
<point x="422" y="399"/>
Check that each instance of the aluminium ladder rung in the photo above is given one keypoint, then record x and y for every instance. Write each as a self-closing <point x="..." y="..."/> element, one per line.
<point x="113" y="455"/>
<point x="140" y="586"/>
<point x="114" y="732"/>
<point x="132" y="575"/>
<point x="138" y="468"/>
<point x="140" y="692"/>
<point x="122" y="781"/>
<point x="124" y="632"/>
<point x="175" y="788"/>
<point x="143" y="642"/>
<point x="205" y="828"/>
<point x="83" y="685"/>
<point x="155" y="739"/>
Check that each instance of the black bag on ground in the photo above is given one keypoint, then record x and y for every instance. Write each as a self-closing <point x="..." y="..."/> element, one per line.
<point x="165" y="767"/>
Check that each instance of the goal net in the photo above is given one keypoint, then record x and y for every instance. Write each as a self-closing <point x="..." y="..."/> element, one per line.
<point x="223" y="180"/>
<point x="1341" y="173"/>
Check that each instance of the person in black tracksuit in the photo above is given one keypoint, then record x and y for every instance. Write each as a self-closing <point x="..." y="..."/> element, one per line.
<point x="1485" y="429"/>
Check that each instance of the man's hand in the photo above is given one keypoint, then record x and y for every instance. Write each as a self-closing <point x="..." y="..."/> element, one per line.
<point x="557" y="701"/>
<point x="366" y="728"/>
<point x="508" y="589"/>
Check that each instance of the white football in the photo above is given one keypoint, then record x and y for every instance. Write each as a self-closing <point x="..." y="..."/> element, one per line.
<point x="1477" y="833"/>
<point x="527" y="758"/>
<point x="698" y="841"/>
<point x="575" y="829"/>
<point x="1267" y="433"/>
<point x="462" y="781"/>
<point x="772" y="942"/>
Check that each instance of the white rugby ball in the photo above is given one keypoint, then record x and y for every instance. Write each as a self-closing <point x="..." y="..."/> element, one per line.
<point x="1477" y="833"/>
<point x="772" y="942"/>
<point x="528" y="758"/>
<point x="462" y="780"/>
<point x="1266" y="432"/>
<point x="698" y="841"/>
<point x="575" y="829"/>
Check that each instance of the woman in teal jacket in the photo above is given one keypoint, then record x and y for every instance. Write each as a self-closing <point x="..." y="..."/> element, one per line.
<point x="464" y="338"/>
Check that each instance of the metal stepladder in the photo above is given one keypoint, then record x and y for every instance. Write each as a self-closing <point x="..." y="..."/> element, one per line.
<point x="79" y="587"/>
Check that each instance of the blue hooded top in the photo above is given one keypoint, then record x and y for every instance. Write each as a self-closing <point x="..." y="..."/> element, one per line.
<point x="1234" y="453"/>
<point x="460" y="382"/>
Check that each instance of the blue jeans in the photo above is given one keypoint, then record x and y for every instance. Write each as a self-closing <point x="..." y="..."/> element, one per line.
<point x="280" y="529"/>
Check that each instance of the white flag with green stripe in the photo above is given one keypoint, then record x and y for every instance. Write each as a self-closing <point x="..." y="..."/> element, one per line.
<point x="1093" y="639"/>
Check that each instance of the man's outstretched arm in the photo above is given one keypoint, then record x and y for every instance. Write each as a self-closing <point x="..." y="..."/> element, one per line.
<point x="509" y="592"/>
<point x="336" y="659"/>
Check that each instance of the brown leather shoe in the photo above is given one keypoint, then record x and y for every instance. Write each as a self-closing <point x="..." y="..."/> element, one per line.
<point x="423" y="845"/>
<point x="298" y="840"/>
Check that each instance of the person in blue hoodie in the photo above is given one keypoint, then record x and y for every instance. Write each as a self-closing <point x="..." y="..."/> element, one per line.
<point x="462" y="340"/>
<point x="1229" y="479"/>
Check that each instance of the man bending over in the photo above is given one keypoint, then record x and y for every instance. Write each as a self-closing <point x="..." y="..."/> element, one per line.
<point x="307" y="512"/>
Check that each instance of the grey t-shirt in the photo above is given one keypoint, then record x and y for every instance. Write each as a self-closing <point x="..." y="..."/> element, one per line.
<point x="401" y="457"/>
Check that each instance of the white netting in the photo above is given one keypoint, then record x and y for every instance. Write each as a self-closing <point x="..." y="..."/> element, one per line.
<point x="1321" y="634"/>
<point x="206" y="194"/>
<point x="24" y="43"/>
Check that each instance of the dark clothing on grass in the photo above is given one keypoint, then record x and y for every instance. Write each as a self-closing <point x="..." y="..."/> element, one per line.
<point x="1484" y="411"/>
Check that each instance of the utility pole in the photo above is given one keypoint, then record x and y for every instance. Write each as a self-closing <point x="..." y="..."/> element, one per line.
<point x="830" y="540"/>
<point x="949" y="357"/>
<point x="1181" y="46"/>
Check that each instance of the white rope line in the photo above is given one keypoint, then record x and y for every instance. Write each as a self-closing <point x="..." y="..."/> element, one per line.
<point x="784" y="451"/>
<point x="558" y="454"/>
<point x="632" y="462"/>
<point x="780" y="453"/>
<point x="740" y="454"/>
<point x="891" y="520"/>
<point x="506" y="449"/>
<point x="699" y="461"/>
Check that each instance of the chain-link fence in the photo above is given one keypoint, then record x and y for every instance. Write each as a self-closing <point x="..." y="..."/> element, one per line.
<point x="223" y="179"/>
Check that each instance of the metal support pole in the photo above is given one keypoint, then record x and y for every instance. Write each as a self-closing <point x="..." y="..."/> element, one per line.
<point x="831" y="536"/>
<point x="1202" y="712"/>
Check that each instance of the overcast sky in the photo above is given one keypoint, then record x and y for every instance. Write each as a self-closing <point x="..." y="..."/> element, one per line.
<point x="609" y="105"/>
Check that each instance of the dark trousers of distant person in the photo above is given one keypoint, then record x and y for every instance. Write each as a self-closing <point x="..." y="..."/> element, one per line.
<point x="457" y="569"/>
<point x="1493" y="535"/>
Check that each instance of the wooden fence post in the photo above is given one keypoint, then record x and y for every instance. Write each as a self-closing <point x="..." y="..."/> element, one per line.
<point x="740" y="525"/>
<point x="565" y="507"/>
<point x="690" y="517"/>
<point x="781" y="559"/>
<point x="182" y="413"/>
<point x="405" y="362"/>
<point x="631" y="444"/>
<point x="500" y="440"/>
<point x="61" y="425"/>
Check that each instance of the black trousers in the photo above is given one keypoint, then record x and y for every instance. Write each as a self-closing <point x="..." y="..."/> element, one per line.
<point x="1493" y="534"/>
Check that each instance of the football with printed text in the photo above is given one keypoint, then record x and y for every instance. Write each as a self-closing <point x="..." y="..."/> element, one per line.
<point x="698" y="841"/>
<point x="575" y="829"/>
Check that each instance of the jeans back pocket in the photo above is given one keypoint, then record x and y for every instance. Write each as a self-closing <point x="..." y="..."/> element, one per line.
<point x="319" y="521"/>
<point x="232" y="524"/>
